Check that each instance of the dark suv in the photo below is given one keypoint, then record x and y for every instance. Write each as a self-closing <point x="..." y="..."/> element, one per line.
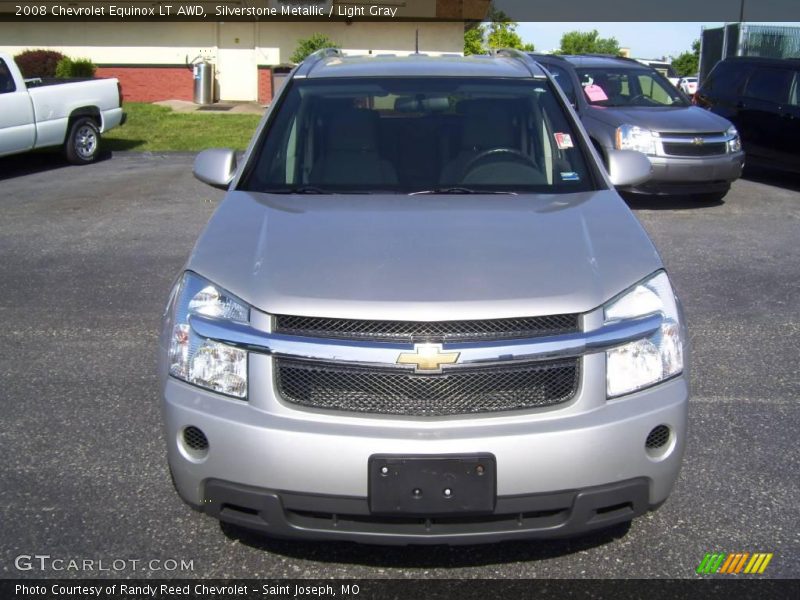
<point x="624" y="104"/>
<point x="761" y="96"/>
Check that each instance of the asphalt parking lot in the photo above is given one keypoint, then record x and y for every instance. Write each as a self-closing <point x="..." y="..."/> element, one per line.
<point x="87" y="256"/>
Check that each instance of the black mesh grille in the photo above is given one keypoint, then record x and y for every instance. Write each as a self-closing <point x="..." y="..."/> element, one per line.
<point x="694" y="150"/>
<point x="658" y="437"/>
<point x="194" y="438"/>
<point x="422" y="331"/>
<point x="452" y="392"/>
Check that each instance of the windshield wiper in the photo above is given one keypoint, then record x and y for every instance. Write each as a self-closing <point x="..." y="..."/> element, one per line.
<point x="300" y="189"/>
<point x="458" y="190"/>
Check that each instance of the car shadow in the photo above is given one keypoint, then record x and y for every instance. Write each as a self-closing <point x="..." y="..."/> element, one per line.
<point x="31" y="163"/>
<point x="782" y="179"/>
<point x="423" y="556"/>
<point x="683" y="202"/>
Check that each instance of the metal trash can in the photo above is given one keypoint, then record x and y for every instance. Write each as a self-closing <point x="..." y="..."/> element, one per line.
<point x="203" y="83"/>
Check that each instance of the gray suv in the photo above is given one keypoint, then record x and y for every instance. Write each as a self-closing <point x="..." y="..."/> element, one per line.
<point x="421" y="315"/>
<point x="625" y="104"/>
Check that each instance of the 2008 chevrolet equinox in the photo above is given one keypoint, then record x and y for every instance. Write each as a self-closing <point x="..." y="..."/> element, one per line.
<point x="422" y="315"/>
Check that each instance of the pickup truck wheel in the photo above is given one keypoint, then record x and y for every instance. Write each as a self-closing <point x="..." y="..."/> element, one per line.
<point x="83" y="142"/>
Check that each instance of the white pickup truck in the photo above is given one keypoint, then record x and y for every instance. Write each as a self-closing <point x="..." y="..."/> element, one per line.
<point x="39" y="114"/>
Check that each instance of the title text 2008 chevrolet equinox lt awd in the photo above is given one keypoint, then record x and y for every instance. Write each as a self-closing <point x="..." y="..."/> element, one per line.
<point x="423" y="315"/>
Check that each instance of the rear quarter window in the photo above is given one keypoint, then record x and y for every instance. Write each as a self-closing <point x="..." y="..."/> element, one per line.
<point x="794" y="99"/>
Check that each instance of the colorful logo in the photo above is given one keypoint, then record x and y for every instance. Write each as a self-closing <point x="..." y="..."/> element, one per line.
<point x="734" y="563"/>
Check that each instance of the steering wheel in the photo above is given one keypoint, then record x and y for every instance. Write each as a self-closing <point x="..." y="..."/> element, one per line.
<point x="492" y="153"/>
<point x="633" y="99"/>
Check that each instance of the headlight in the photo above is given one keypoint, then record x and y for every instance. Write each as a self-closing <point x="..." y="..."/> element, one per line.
<point x="630" y="137"/>
<point x="735" y="143"/>
<point x="647" y="361"/>
<point x="199" y="361"/>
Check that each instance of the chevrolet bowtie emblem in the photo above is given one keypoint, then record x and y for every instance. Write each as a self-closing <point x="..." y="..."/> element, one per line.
<point x="428" y="357"/>
<point x="698" y="141"/>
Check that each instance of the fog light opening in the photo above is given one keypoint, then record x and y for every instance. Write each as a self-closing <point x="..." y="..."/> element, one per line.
<point x="659" y="441"/>
<point x="194" y="443"/>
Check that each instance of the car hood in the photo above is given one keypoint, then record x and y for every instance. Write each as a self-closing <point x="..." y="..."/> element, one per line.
<point x="432" y="257"/>
<point x="688" y="119"/>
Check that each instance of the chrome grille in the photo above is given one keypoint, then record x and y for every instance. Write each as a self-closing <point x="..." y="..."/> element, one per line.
<point x="455" y="391"/>
<point x="425" y="331"/>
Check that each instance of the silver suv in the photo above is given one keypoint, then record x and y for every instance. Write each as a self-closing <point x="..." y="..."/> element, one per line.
<point x="423" y="315"/>
<point x="627" y="105"/>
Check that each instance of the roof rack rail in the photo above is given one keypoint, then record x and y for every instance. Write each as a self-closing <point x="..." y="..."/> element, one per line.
<point x="535" y="55"/>
<point x="602" y="55"/>
<point x="518" y="55"/>
<point x="313" y="58"/>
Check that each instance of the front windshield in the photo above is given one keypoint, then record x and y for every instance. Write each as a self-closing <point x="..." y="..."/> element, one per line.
<point x="628" y="87"/>
<point x="422" y="134"/>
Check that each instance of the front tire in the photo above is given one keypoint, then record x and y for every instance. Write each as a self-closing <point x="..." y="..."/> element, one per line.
<point x="83" y="142"/>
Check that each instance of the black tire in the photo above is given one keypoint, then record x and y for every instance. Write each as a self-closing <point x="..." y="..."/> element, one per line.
<point x="83" y="142"/>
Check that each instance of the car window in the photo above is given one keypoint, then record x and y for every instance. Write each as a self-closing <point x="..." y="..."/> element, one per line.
<point x="726" y="78"/>
<point x="6" y="81"/>
<point x="404" y="135"/>
<point x="628" y="87"/>
<point x="769" y="84"/>
<point x="794" y="98"/>
<point x="563" y="79"/>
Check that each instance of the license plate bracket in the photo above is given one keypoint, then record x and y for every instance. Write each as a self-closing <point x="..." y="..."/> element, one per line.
<point x="449" y="484"/>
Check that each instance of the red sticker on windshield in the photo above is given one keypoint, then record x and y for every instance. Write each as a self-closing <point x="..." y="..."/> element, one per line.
<point x="563" y="141"/>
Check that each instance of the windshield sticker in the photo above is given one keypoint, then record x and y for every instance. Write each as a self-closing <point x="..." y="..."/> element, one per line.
<point x="563" y="141"/>
<point x="570" y="176"/>
<point x="595" y="93"/>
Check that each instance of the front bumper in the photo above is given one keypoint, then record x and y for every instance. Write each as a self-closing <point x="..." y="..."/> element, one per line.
<point x="341" y="518"/>
<point x="303" y="473"/>
<point x="675" y="175"/>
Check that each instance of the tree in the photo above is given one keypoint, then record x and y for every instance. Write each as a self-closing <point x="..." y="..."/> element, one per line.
<point x="38" y="63"/>
<point x="687" y="63"/>
<point x="312" y="44"/>
<point x="473" y="41"/>
<point x="588" y="42"/>
<point x="502" y="32"/>
<point x="499" y="32"/>
<point x="79" y="67"/>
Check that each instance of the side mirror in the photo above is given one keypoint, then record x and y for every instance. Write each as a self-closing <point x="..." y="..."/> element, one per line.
<point x="628" y="167"/>
<point x="216" y="167"/>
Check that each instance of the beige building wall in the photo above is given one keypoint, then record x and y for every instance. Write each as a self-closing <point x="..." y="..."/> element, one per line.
<point x="236" y="48"/>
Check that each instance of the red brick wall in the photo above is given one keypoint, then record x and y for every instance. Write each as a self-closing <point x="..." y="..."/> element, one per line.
<point x="264" y="85"/>
<point x="152" y="83"/>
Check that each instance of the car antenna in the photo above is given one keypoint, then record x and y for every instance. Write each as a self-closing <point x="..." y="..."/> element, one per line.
<point x="416" y="41"/>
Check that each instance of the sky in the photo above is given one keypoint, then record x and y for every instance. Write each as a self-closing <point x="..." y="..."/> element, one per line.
<point x="646" y="40"/>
